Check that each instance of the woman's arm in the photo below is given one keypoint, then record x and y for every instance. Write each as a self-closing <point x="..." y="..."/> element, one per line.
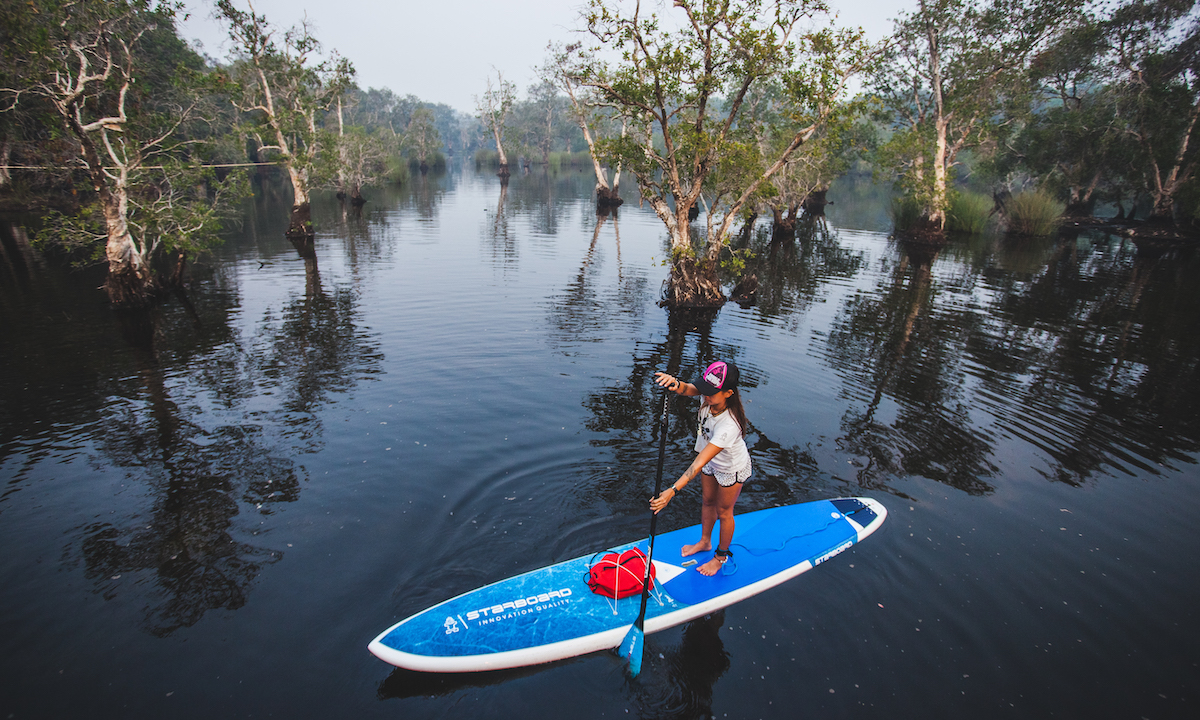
<point x="676" y="385"/>
<point x="709" y="452"/>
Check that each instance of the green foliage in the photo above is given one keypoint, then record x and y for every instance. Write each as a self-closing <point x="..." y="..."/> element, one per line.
<point x="906" y="212"/>
<point x="1033" y="213"/>
<point x="734" y="261"/>
<point x="435" y="161"/>
<point x="80" y="235"/>
<point x="969" y="212"/>
<point x="396" y="170"/>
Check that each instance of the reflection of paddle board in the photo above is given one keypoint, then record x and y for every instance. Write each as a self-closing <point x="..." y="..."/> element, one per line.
<point x="550" y="614"/>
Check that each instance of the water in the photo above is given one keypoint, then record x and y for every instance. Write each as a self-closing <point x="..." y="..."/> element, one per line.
<point x="208" y="512"/>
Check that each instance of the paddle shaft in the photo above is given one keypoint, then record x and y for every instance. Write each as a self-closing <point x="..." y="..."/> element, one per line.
<point x="662" y="454"/>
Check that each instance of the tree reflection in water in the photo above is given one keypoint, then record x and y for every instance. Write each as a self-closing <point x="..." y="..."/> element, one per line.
<point x="1116" y="383"/>
<point x="892" y="341"/>
<point x="197" y="480"/>
<point x="1088" y="351"/>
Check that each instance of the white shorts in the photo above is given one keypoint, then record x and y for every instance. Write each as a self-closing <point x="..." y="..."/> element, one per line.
<point x="729" y="479"/>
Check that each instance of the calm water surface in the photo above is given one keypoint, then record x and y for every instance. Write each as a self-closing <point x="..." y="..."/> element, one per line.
<point x="208" y="512"/>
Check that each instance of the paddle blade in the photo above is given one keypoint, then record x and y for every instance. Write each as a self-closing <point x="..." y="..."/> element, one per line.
<point x="631" y="648"/>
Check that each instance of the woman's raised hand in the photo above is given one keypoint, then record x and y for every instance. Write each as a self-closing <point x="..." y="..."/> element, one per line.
<point x="666" y="381"/>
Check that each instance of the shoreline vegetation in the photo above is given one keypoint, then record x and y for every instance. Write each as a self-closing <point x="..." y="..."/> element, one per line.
<point x="1019" y="115"/>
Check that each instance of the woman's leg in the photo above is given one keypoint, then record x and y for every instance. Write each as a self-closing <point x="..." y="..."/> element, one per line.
<point x="708" y="516"/>
<point x="724" y="500"/>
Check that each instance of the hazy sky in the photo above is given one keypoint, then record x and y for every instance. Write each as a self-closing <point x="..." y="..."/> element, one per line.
<point x="442" y="50"/>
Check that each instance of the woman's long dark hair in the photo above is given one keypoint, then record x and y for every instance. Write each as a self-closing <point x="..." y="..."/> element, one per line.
<point x="734" y="405"/>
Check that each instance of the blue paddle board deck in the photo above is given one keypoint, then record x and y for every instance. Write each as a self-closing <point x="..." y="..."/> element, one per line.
<point x="551" y="614"/>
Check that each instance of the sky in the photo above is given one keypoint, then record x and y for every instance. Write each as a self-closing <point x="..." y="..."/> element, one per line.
<point x="442" y="51"/>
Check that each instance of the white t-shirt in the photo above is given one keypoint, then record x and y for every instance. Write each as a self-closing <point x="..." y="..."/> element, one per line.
<point x="723" y="431"/>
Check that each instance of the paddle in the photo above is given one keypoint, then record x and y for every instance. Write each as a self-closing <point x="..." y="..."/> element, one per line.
<point x="631" y="646"/>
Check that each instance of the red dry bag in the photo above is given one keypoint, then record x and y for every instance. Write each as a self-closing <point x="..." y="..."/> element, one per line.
<point x="619" y="576"/>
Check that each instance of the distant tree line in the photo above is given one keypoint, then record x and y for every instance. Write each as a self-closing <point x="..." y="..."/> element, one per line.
<point x="730" y="109"/>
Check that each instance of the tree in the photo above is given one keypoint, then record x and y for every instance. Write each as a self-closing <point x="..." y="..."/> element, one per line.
<point x="566" y="67"/>
<point x="681" y="83"/>
<point x="1155" y="57"/>
<point x="1069" y="138"/>
<point x="284" y="88"/>
<point x="126" y="119"/>
<point x="493" y="109"/>
<point x="956" y="74"/>
<point x="421" y="138"/>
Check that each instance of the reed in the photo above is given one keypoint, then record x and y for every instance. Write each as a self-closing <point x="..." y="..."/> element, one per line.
<point x="969" y="212"/>
<point x="905" y="211"/>
<point x="1034" y="213"/>
<point x="560" y="160"/>
<point x="487" y="158"/>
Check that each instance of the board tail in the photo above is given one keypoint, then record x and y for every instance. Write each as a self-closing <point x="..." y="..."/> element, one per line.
<point x="631" y="648"/>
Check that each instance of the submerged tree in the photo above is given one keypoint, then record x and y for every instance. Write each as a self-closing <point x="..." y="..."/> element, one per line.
<point x="493" y="109"/>
<point x="566" y="67"/>
<point x="682" y="81"/>
<point x="284" y="88"/>
<point x="126" y="120"/>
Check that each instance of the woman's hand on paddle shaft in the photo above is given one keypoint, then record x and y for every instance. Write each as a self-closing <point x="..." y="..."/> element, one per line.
<point x="666" y="381"/>
<point x="661" y="501"/>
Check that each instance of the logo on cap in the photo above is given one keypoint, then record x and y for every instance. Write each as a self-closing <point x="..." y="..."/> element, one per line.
<point x="715" y="374"/>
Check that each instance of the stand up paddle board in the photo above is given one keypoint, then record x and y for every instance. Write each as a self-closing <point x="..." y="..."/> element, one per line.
<point x="551" y="614"/>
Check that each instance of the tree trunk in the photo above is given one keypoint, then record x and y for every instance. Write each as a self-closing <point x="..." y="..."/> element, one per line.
<point x="607" y="198"/>
<point x="815" y="202"/>
<point x="783" y="227"/>
<point x="1163" y="210"/>
<point x="180" y="266"/>
<point x="503" y="171"/>
<point x="129" y="283"/>
<point x="935" y="213"/>
<point x="1081" y="201"/>
<point x="5" y="155"/>
<point x="300" y="226"/>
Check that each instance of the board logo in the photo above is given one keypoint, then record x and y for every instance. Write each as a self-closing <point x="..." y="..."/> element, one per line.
<point x="521" y="606"/>
<point x="832" y="552"/>
<point x="451" y="625"/>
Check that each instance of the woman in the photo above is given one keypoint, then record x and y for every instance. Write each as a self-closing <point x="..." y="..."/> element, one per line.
<point x="722" y="460"/>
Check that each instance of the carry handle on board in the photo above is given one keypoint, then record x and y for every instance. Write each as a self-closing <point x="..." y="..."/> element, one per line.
<point x="631" y="646"/>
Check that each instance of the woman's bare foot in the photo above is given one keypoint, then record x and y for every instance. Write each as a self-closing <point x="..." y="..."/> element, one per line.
<point x="702" y="546"/>
<point x="712" y="567"/>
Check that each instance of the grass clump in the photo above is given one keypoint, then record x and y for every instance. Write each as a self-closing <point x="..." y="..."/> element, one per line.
<point x="569" y="160"/>
<point x="905" y="211"/>
<point x="1034" y="213"/>
<point x="969" y="212"/>
<point x="487" y="158"/>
